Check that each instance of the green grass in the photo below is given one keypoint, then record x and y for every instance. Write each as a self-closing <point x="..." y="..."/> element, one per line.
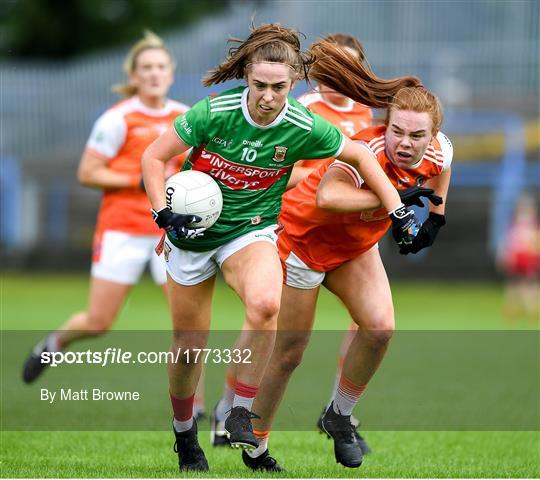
<point x="42" y="302"/>
<point x="304" y="454"/>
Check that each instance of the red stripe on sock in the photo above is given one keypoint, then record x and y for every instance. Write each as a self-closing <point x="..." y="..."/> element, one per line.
<point x="246" y="391"/>
<point x="352" y="389"/>
<point x="261" y="433"/>
<point x="182" y="407"/>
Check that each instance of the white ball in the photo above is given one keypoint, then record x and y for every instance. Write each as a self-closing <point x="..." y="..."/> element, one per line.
<point x="194" y="193"/>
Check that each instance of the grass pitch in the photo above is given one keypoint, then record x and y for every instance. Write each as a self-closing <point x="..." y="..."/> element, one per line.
<point x="42" y="302"/>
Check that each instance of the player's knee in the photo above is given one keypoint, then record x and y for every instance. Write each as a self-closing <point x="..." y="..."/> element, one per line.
<point x="263" y="310"/>
<point x="189" y="338"/>
<point x="291" y="359"/>
<point x="379" y="338"/>
<point x="378" y="330"/>
<point x="97" y="324"/>
<point x="187" y="345"/>
<point x="289" y="353"/>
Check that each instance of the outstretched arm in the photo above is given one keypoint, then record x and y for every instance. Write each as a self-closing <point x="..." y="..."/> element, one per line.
<point x="338" y="192"/>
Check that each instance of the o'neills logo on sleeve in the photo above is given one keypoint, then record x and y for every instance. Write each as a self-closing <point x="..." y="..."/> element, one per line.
<point x="237" y="176"/>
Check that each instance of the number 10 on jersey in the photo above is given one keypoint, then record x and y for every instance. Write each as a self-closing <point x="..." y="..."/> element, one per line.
<point x="249" y="154"/>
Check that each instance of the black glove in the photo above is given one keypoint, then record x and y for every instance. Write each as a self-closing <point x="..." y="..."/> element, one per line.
<point x="411" y="196"/>
<point x="176" y="224"/>
<point x="426" y="235"/>
<point x="404" y="225"/>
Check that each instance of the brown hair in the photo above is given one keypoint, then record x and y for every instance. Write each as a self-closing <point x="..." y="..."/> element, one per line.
<point x="417" y="100"/>
<point x="353" y="78"/>
<point x="270" y="42"/>
<point x="346" y="40"/>
<point x="149" y="41"/>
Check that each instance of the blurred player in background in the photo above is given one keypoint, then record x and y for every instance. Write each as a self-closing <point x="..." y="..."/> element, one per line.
<point x="519" y="259"/>
<point x="248" y="138"/>
<point x="346" y="114"/>
<point x="330" y="225"/>
<point x="350" y="117"/>
<point x="125" y="234"/>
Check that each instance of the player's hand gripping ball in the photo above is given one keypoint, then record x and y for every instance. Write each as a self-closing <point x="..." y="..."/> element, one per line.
<point x="194" y="193"/>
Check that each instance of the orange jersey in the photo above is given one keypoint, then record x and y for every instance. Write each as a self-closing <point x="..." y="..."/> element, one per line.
<point x="349" y="119"/>
<point x="120" y="136"/>
<point x="324" y="240"/>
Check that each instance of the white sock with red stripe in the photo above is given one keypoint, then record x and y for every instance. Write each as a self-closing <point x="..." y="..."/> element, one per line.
<point x="183" y="412"/>
<point x="347" y="396"/>
<point x="244" y="395"/>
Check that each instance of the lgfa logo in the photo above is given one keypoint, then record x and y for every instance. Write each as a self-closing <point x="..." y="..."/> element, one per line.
<point x="279" y="153"/>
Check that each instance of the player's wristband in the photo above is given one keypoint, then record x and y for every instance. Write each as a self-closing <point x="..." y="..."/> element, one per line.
<point x="162" y="216"/>
<point x="396" y="212"/>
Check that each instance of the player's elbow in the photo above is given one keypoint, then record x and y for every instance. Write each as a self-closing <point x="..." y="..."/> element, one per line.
<point x="145" y="157"/>
<point x="84" y="176"/>
<point x="325" y="199"/>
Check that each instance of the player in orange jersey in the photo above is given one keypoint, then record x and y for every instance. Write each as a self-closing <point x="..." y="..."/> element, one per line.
<point x="350" y="117"/>
<point x="331" y="224"/>
<point x="125" y="234"/>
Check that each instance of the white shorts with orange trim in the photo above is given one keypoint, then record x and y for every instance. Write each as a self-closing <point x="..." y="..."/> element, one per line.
<point x="122" y="258"/>
<point x="191" y="268"/>
<point x="298" y="275"/>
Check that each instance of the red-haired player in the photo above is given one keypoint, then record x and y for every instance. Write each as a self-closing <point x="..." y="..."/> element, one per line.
<point x="331" y="223"/>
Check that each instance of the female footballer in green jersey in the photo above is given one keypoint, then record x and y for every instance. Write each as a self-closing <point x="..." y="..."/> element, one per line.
<point x="247" y="139"/>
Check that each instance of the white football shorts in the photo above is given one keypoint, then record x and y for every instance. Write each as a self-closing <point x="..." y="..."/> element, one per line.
<point x="298" y="275"/>
<point x="122" y="257"/>
<point x="191" y="268"/>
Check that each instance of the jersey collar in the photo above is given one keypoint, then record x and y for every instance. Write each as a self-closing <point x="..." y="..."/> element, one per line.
<point x="252" y="122"/>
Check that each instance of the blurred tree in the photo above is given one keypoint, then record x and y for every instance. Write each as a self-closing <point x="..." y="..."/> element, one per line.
<point x="60" y="28"/>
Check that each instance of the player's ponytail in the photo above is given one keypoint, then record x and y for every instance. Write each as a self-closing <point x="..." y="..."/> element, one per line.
<point x="268" y="43"/>
<point x="352" y="77"/>
<point x="150" y="40"/>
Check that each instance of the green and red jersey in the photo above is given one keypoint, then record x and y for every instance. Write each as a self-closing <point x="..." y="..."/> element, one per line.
<point x="251" y="163"/>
